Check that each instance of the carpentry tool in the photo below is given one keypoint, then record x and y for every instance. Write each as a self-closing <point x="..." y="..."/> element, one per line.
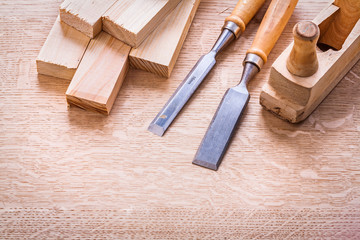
<point x="303" y="75"/>
<point x="234" y="26"/>
<point x="222" y="127"/>
<point x="338" y="28"/>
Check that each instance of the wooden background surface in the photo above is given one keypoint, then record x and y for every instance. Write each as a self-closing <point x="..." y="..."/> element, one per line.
<point x="69" y="173"/>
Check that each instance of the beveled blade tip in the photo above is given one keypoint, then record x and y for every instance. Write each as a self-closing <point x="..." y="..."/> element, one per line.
<point x="205" y="164"/>
<point x="156" y="129"/>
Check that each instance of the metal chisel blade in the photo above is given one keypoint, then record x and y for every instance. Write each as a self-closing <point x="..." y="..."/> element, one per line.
<point x="183" y="93"/>
<point x="222" y="126"/>
<point x="221" y="129"/>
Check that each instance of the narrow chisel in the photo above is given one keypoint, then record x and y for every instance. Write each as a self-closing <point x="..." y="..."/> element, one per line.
<point x="222" y="126"/>
<point x="234" y="25"/>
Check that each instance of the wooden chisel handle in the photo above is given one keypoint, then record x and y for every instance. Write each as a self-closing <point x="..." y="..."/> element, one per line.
<point x="271" y="27"/>
<point x="244" y="11"/>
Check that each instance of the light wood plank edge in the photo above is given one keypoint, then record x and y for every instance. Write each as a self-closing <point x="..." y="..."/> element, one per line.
<point x="81" y="24"/>
<point x="135" y="39"/>
<point x="57" y="67"/>
<point x="151" y="65"/>
<point x="100" y="106"/>
<point x="93" y="106"/>
<point x="73" y="19"/>
<point x="292" y="98"/>
<point x="54" y="70"/>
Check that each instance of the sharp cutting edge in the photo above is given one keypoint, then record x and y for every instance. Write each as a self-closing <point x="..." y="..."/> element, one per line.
<point x="235" y="100"/>
<point x="232" y="29"/>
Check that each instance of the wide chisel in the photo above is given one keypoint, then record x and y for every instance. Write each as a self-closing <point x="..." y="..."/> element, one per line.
<point x="222" y="126"/>
<point x="234" y="25"/>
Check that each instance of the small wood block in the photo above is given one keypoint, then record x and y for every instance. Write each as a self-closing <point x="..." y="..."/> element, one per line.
<point x="100" y="74"/>
<point x="131" y="21"/>
<point x="294" y="98"/>
<point x="62" y="51"/>
<point x="85" y="15"/>
<point x="159" y="52"/>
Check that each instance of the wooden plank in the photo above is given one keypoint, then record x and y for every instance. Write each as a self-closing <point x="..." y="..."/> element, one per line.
<point x="131" y="21"/>
<point x="62" y="51"/>
<point x="294" y="98"/>
<point x="159" y="52"/>
<point x="85" y="15"/>
<point x="79" y="174"/>
<point x="100" y="74"/>
<point x="180" y="222"/>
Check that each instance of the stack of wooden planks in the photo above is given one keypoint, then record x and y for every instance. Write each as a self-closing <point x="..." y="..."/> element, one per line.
<point x="93" y="43"/>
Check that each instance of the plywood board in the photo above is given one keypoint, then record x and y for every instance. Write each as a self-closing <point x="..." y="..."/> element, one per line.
<point x="62" y="51"/>
<point x="85" y="15"/>
<point x="100" y="74"/>
<point x="131" y="21"/>
<point x="159" y="52"/>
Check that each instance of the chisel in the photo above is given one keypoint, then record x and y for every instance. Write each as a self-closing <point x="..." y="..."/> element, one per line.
<point x="233" y="27"/>
<point x="222" y="126"/>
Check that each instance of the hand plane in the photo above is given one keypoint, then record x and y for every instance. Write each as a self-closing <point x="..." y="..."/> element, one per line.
<point x="306" y="72"/>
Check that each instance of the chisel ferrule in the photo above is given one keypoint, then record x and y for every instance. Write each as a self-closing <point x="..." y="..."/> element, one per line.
<point x="254" y="59"/>
<point x="233" y="27"/>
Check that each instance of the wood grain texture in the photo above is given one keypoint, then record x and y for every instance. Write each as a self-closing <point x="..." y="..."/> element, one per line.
<point x="62" y="51"/>
<point x="85" y="15"/>
<point x="100" y="74"/>
<point x="326" y="17"/>
<point x="70" y="173"/>
<point x="273" y="24"/>
<point x="131" y="21"/>
<point x="181" y="223"/>
<point x="244" y="11"/>
<point x="159" y="52"/>
<point x="342" y="23"/>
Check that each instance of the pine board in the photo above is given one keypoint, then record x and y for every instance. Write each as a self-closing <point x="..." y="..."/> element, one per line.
<point x="78" y="174"/>
<point x="131" y="21"/>
<point x="85" y="15"/>
<point x="159" y="52"/>
<point x="100" y="75"/>
<point x="62" y="51"/>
